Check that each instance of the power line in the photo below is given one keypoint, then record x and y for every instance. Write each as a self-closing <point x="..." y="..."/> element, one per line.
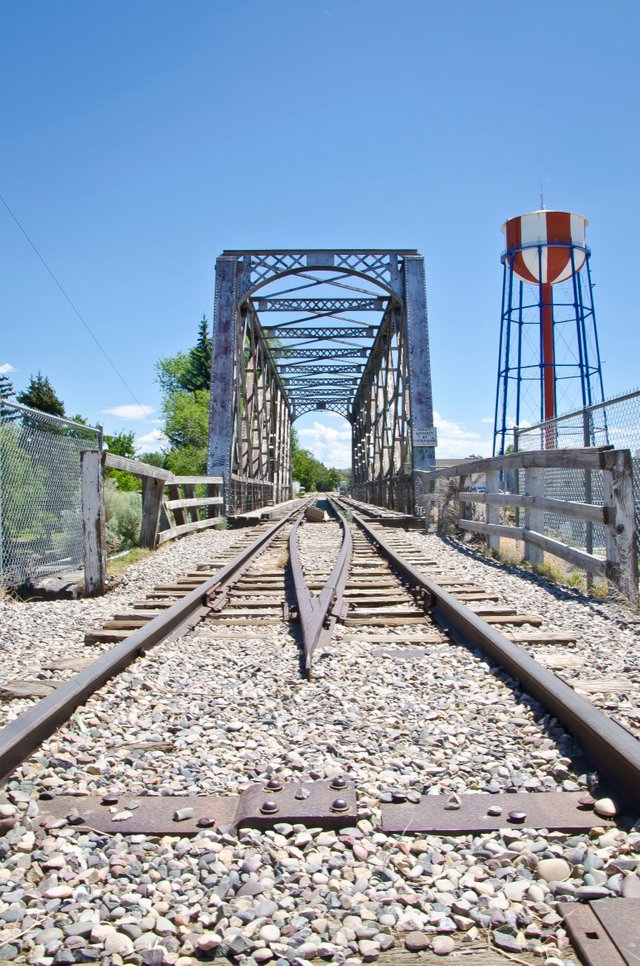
<point x="77" y="312"/>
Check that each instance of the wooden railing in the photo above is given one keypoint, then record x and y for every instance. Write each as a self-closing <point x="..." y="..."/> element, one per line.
<point x="162" y="518"/>
<point x="616" y="514"/>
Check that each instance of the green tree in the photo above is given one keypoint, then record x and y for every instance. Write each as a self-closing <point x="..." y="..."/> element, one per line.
<point x="154" y="459"/>
<point x="41" y="395"/>
<point x="6" y="387"/>
<point x="122" y="444"/>
<point x="198" y="371"/>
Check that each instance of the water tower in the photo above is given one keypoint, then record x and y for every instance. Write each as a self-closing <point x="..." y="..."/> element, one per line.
<point x="549" y="361"/>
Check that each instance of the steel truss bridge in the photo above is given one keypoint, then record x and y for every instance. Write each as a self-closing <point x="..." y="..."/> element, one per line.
<point x="350" y="336"/>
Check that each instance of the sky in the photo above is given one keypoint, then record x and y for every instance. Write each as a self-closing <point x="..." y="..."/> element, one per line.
<point x="140" y="140"/>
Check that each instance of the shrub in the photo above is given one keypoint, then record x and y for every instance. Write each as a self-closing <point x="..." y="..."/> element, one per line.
<point x="123" y="515"/>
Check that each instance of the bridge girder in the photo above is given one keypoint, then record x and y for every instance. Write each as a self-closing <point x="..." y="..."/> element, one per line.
<point x="263" y="378"/>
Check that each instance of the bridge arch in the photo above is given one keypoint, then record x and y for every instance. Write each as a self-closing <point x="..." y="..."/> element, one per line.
<point x="264" y="377"/>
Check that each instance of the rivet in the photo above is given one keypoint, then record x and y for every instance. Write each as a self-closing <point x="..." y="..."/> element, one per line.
<point x="517" y="817"/>
<point x="206" y="822"/>
<point x="338" y="782"/>
<point x="274" y="785"/>
<point x="268" y="808"/>
<point x="109" y="800"/>
<point x="494" y="810"/>
<point x="339" y="805"/>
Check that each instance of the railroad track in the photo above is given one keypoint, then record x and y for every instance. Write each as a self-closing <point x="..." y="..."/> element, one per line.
<point x="379" y="605"/>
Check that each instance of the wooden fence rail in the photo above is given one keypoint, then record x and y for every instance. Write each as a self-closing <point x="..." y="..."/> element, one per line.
<point x="617" y="514"/>
<point x="170" y="508"/>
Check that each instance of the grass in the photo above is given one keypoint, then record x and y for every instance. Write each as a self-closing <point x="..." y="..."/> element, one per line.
<point x="222" y="524"/>
<point x="120" y="564"/>
<point x="555" y="570"/>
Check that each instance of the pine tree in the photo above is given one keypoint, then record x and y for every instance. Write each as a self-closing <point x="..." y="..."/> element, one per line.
<point x="41" y="395"/>
<point x="6" y="387"/>
<point x="6" y="392"/>
<point x="198" y="374"/>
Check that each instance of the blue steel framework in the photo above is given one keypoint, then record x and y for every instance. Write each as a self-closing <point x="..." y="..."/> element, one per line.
<point x="522" y="362"/>
<point x="315" y="357"/>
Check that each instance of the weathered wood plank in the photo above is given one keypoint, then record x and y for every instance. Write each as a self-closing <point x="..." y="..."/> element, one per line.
<point x="152" y="490"/>
<point x="186" y="528"/>
<point x="579" y="458"/>
<point x="533" y="518"/>
<point x="578" y="558"/>
<point x="622" y="549"/>
<point x="114" y="462"/>
<point x="510" y="533"/>
<point x="94" y="546"/>
<point x="196" y="501"/>
<point x="190" y="480"/>
<point x="568" y="508"/>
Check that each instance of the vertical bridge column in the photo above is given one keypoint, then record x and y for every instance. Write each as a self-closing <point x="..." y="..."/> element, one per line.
<point x="423" y="436"/>
<point x="223" y="351"/>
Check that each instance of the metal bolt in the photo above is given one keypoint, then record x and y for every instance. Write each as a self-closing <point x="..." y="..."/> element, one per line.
<point x="274" y="785"/>
<point x="586" y="802"/>
<point x="494" y="810"/>
<point x="339" y="805"/>
<point x="268" y="808"/>
<point x="206" y="822"/>
<point x="109" y="800"/>
<point x="338" y="782"/>
<point x="517" y="817"/>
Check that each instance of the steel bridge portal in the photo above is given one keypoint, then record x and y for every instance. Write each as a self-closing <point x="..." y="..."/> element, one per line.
<point x="302" y="331"/>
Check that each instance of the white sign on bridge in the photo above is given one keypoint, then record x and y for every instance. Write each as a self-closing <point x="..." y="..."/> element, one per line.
<point x="425" y="437"/>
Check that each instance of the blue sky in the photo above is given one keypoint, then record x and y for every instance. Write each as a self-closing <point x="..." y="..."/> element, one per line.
<point x="140" y="140"/>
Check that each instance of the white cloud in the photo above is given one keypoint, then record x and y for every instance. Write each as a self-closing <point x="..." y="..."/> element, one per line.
<point x="456" y="442"/>
<point x="487" y="419"/>
<point x="151" y="441"/>
<point x="330" y="445"/>
<point x="130" y="411"/>
<point x="7" y="367"/>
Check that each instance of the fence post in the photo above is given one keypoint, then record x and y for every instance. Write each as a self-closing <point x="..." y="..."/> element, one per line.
<point x="152" y="491"/>
<point x="533" y="519"/>
<point x="621" y="539"/>
<point x="493" y="509"/>
<point x="95" y="557"/>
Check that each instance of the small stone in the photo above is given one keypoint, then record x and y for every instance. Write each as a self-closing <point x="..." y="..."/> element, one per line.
<point x="554" y="870"/>
<point x="415" y="941"/>
<point x="605" y="807"/>
<point x="443" y="945"/>
<point x="507" y="941"/>
<point x="118" y="943"/>
<point x="270" y="933"/>
<point x="182" y="814"/>
<point x="59" y="892"/>
<point x="208" y="941"/>
<point x="590" y="892"/>
<point x="631" y="887"/>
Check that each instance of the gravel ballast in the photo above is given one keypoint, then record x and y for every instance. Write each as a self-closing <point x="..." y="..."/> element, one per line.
<point x="205" y="716"/>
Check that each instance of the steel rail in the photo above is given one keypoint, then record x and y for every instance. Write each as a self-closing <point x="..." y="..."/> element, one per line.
<point x="22" y="736"/>
<point x="318" y="613"/>
<point x="613" y="749"/>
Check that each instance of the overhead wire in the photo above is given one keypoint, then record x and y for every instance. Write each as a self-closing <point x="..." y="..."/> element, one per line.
<point x="143" y="409"/>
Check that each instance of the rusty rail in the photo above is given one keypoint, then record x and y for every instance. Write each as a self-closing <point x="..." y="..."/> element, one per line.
<point x="22" y="736"/>
<point x="319" y="613"/>
<point x="615" y="751"/>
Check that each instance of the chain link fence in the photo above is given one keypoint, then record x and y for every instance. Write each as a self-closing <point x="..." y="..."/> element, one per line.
<point x="615" y="421"/>
<point x="40" y="493"/>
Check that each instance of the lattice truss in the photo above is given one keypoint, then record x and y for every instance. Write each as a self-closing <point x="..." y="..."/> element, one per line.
<point x="338" y="341"/>
<point x="261" y="414"/>
<point x="382" y="414"/>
